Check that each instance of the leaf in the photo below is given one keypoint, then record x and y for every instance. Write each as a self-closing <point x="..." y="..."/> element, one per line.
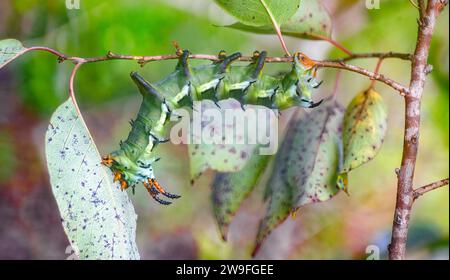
<point x="9" y="50"/>
<point x="221" y="157"/>
<point x="316" y="155"/>
<point x="98" y="218"/>
<point x="278" y="190"/>
<point x="365" y="124"/>
<point x="253" y="13"/>
<point x="306" y="167"/>
<point x="229" y="190"/>
<point x="311" y="21"/>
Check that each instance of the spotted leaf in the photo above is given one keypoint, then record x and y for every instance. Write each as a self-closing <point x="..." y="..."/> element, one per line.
<point x="365" y="124"/>
<point x="316" y="155"/>
<point x="278" y="190"/>
<point x="311" y="21"/>
<point x="253" y="13"/>
<point x="306" y="167"/>
<point x="98" y="218"/>
<point x="9" y="50"/>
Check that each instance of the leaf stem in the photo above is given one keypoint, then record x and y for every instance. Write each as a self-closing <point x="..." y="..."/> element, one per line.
<point x="336" y="84"/>
<point x="276" y="26"/>
<point x="376" y="71"/>
<point x="331" y="41"/>
<point x="71" y="87"/>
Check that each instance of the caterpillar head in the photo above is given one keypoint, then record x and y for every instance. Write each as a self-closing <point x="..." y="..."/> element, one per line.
<point x="304" y="69"/>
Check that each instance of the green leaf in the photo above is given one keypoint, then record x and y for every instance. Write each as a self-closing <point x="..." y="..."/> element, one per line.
<point x="365" y="124"/>
<point x="229" y="190"/>
<point x="316" y="155"/>
<point x="9" y="50"/>
<point x="311" y="21"/>
<point x="253" y="13"/>
<point x="278" y="190"/>
<point x="219" y="157"/>
<point x="98" y="218"/>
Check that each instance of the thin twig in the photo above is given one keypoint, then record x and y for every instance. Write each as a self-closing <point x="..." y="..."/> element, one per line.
<point x="402" y="90"/>
<point x="112" y="56"/>
<point x="276" y="26"/>
<point x="60" y="56"/>
<point x="423" y="190"/>
<point x="339" y="64"/>
<point x="377" y="70"/>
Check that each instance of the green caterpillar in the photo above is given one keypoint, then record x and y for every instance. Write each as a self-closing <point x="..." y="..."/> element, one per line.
<point x="132" y="163"/>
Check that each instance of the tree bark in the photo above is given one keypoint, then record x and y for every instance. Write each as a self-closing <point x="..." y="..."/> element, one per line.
<point x="405" y="194"/>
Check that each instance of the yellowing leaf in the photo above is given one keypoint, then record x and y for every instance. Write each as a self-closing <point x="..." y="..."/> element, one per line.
<point x="365" y="124"/>
<point x="316" y="155"/>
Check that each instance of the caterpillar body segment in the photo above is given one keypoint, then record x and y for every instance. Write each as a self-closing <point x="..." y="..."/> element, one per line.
<point x="132" y="163"/>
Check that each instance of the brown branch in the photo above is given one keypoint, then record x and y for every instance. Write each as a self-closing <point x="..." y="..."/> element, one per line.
<point x="339" y="64"/>
<point x="405" y="192"/>
<point x="112" y="56"/>
<point x="422" y="7"/>
<point x="402" y="90"/>
<point x="435" y="185"/>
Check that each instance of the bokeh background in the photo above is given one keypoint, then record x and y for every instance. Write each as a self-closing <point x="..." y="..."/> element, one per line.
<point x="32" y="87"/>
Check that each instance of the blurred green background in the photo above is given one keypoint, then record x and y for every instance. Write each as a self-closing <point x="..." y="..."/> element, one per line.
<point x="32" y="87"/>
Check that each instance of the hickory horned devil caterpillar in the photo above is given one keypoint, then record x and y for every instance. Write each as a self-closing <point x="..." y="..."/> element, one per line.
<point x="132" y="163"/>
